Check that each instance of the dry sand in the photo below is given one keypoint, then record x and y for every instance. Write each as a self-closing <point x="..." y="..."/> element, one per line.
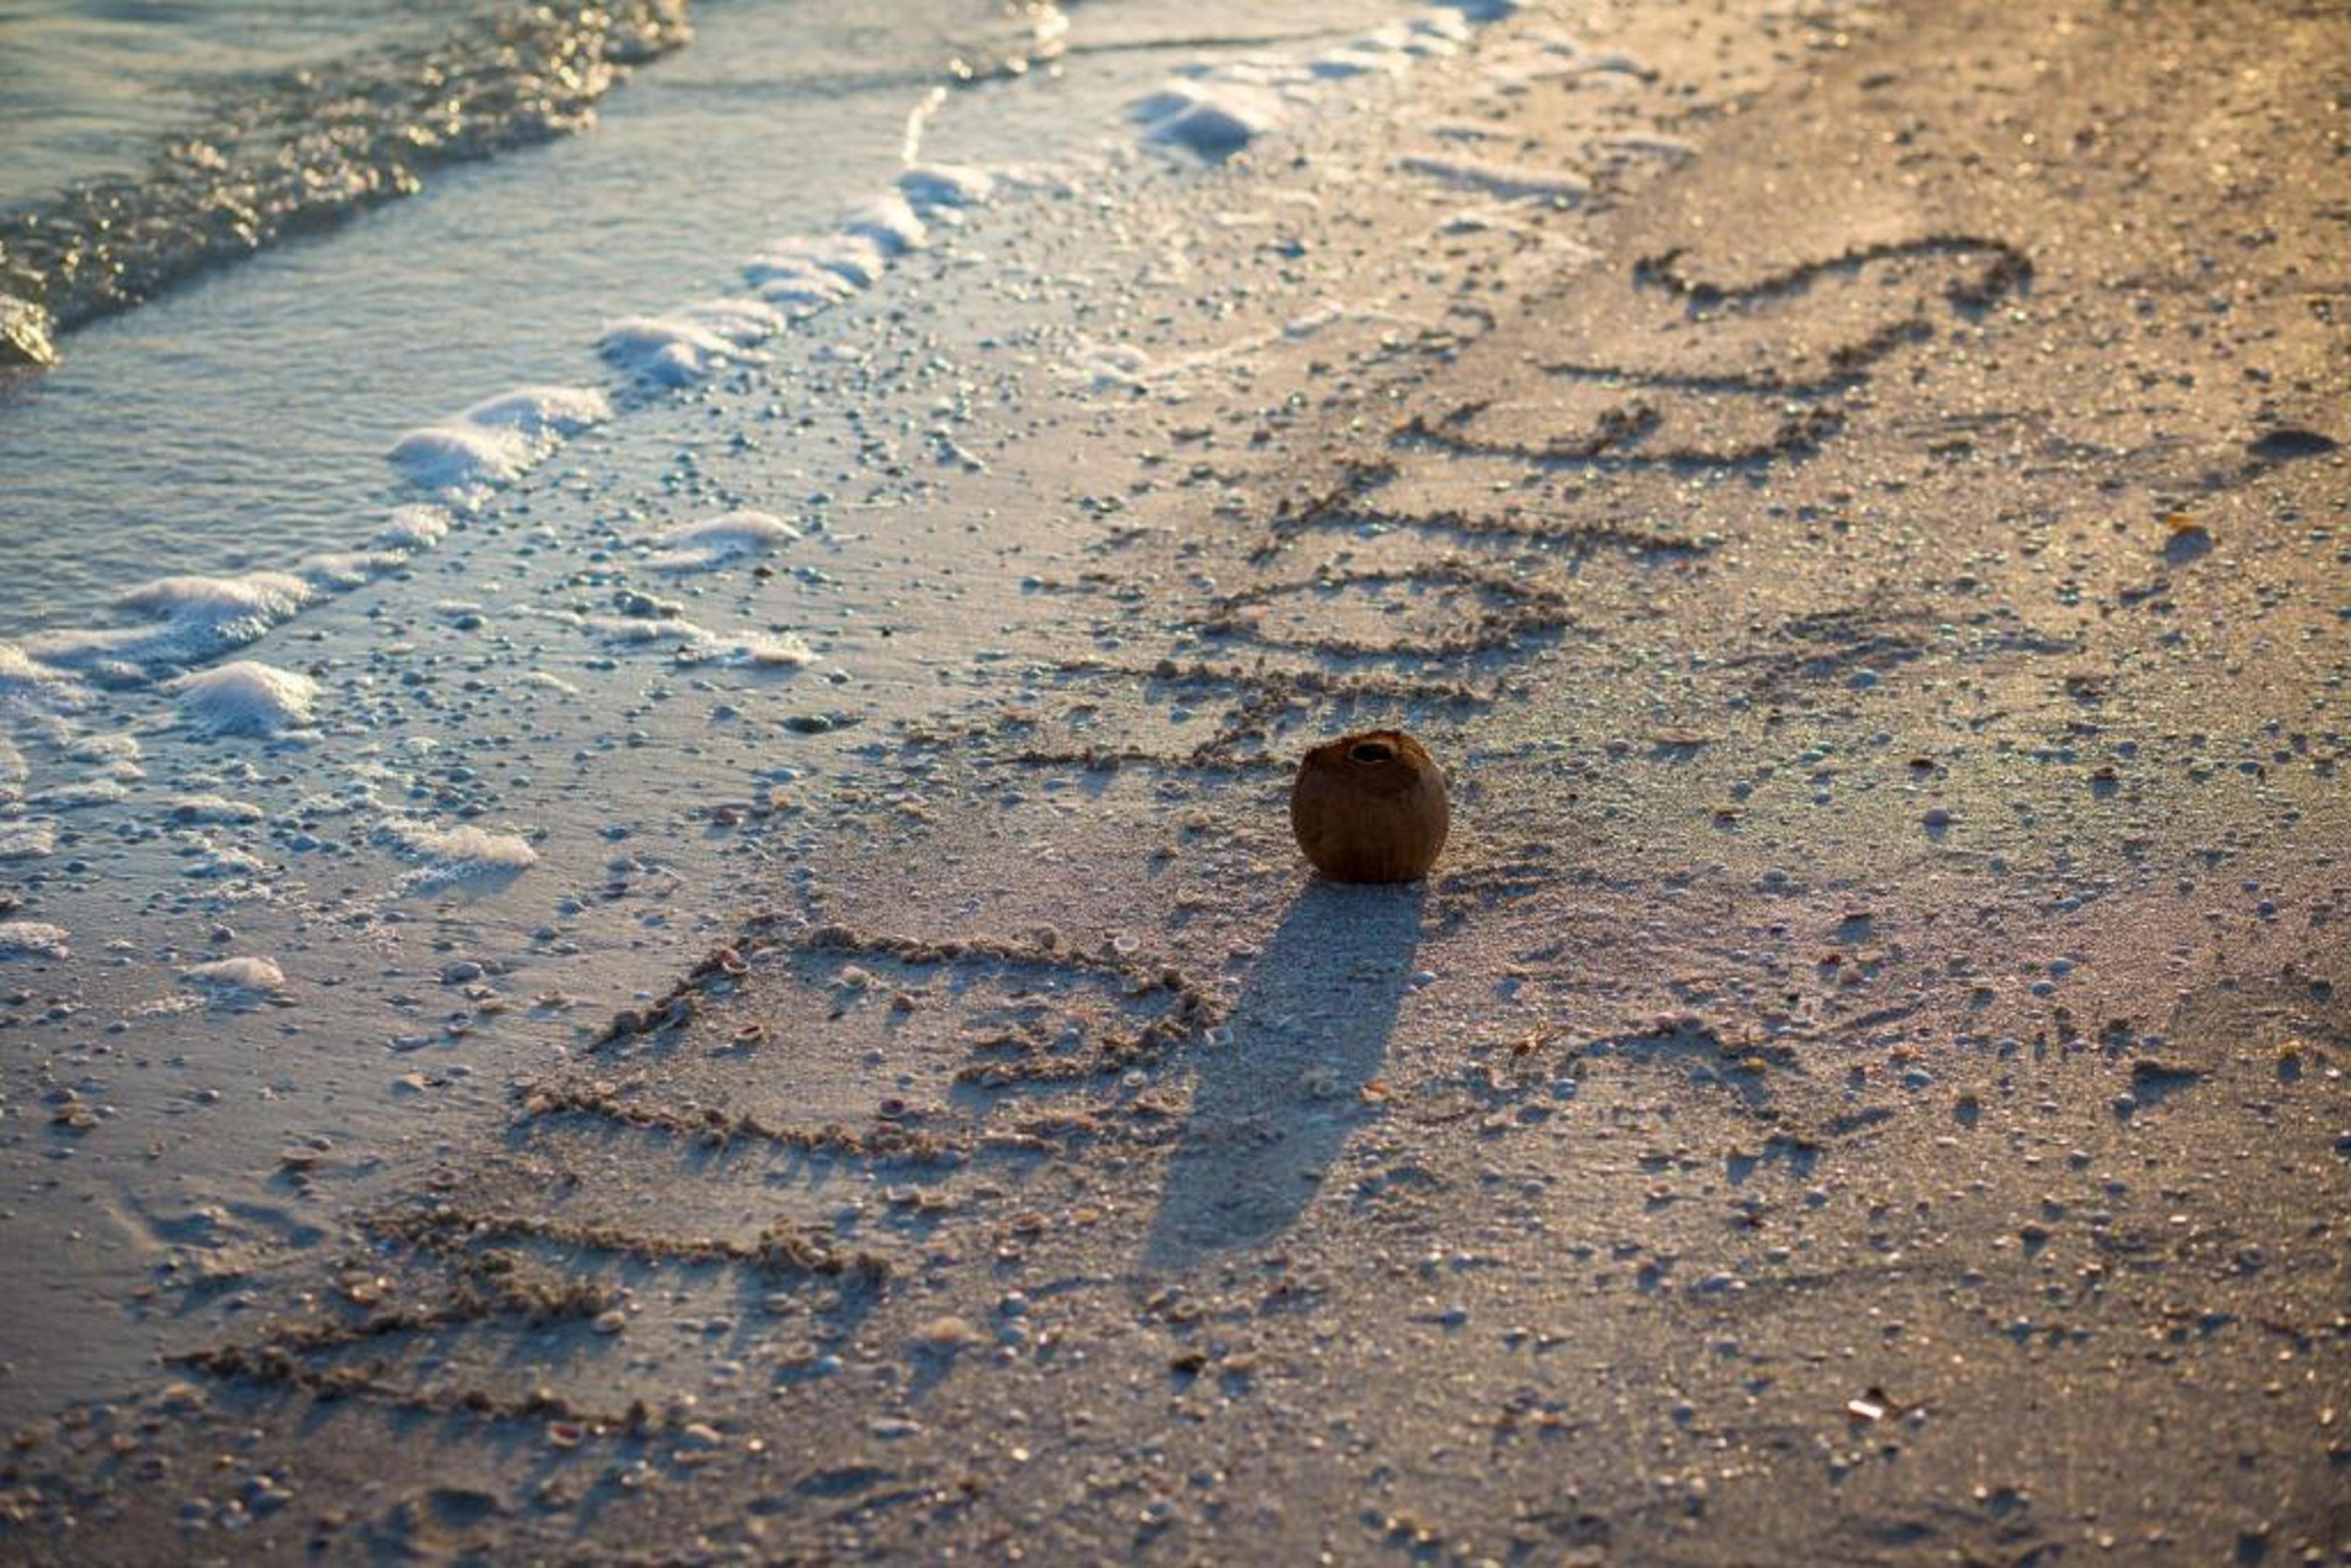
<point x="1863" y="1085"/>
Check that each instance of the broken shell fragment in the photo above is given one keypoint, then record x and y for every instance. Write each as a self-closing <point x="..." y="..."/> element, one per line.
<point x="1370" y="807"/>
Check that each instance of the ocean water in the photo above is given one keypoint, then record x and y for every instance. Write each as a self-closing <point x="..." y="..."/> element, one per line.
<point x="89" y="90"/>
<point x="385" y="612"/>
<point x="239" y="421"/>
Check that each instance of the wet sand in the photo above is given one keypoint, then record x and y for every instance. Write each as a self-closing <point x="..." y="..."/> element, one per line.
<point x="1863" y="1085"/>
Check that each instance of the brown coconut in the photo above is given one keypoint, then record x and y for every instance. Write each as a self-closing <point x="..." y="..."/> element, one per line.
<point x="1370" y="807"/>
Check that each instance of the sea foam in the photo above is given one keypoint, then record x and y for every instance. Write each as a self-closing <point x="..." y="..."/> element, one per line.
<point x="28" y="839"/>
<point x="889" y="221"/>
<point x="214" y="808"/>
<point x="456" y="853"/>
<point x="413" y="528"/>
<point x="815" y="269"/>
<point x="782" y="651"/>
<point x="496" y="440"/>
<point x="183" y="620"/>
<point x="930" y="186"/>
<point x="231" y="976"/>
<point x="802" y="274"/>
<point x="714" y="541"/>
<point x="33" y="693"/>
<point x="1217" y="111"/>
<point x="32" y="939"/>
<point x="693" y="342"/>
<point x="225" y="863"/>
<point x="79" y="795"/>
<point x="246" y="697"/>
<point x="189" y="621"/>
<point x="1212" y="119"/>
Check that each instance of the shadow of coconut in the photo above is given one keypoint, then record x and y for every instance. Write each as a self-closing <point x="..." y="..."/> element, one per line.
<point x="1276" y="1103"/>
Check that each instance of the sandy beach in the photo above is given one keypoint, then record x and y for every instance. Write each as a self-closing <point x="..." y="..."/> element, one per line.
<point x="1854" y="500"/>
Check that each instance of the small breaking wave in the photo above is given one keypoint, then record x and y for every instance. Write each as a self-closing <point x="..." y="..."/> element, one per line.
<point x="311" y="150"/>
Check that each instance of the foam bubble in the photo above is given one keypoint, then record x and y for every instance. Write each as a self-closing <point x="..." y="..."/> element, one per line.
<point x="246" y="697"/>
<point x="494" y="442"/>
<point x="692" y="643"/>
<point x="257" y="976"/>
<point x="693" y="342"/>
<point x="456" y="853"/>
<point x="79" y="795"/>
<point x="339" y="571"/>
<point x="1215" y="110"/>
<point x="785" y="651"/>
<point x="413" y="528"/>
<point x="826" y="267"/>
<point x="28" y="839"/>
<point x="889" y="221"/>
<point x="928" y="186"/>
<point x="1104" y="366"/>
<point x="214" y="808"/>
<point x="1212" y="119"/>
<point x="32" y="939"/>
<point x="225" y="863"/>
<point x="119" y="752"/>
<point x="643" y="629"/>
<point x="714" y="541"/>
<point x="184" y="620"/>
<point x="33" y="692"/>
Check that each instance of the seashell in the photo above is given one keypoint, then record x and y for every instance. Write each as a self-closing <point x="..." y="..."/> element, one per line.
<point x="1370" y="807"/>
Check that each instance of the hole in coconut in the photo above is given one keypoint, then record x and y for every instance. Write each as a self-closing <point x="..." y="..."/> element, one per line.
<point x="1373" y="752"/>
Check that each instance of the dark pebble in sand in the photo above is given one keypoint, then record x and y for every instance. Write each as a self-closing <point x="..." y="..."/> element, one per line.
<point x="2286" y="444"/>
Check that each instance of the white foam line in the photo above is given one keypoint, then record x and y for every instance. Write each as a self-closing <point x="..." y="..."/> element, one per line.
<point x="692" y="343"/>
<point x="705" y="546"/>
<point x="1215" y="111"/>
<point x="918" y="120"/>
<point x="890" y="220"/>
<point x="690" y="641"/>
<point x="814" y="270"/>
<point x="495" y="441"/>
<point x="801" y="275"/>
<point x="183" y="620"/>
